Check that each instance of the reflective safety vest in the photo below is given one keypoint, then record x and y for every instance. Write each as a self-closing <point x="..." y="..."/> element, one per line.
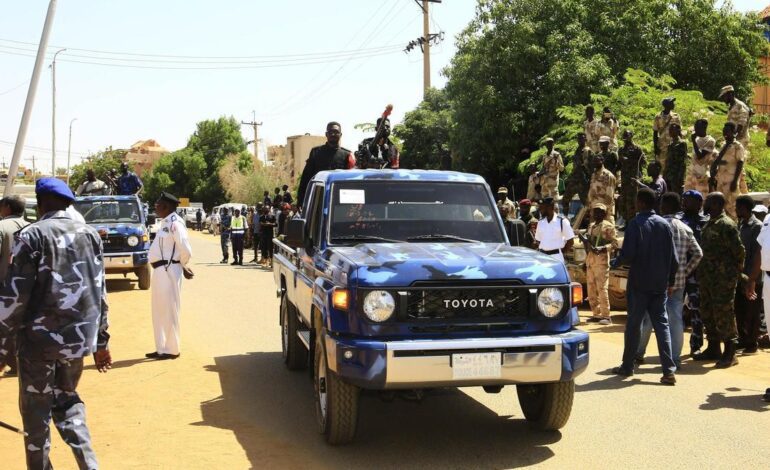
<point x="237" y="225"/>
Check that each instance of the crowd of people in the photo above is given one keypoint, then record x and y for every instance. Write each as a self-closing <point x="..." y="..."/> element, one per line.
<point x="692" y="236"/>
<point x="254" y="227"/>
<point x="126" y="183"/>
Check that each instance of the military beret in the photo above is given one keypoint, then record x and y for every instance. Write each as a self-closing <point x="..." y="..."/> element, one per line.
<point x="168" y="197"/>
<point x="669" y="99"/>
<point x="502" y="189"/>
<point x="55" y="187"/>
<point x="760" y="209"/>
<point x="726" y="89"/>
<point x="525" y="202"/>
<point x="548" y="139"/>
<point x="693" y="193"/>
<point x="599" y="205"/>
<point x="604" y="138"/>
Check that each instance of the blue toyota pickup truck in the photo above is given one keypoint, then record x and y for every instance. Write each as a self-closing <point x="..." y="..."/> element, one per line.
<point x="121" y="222"/>
<point x="405" y="280"/>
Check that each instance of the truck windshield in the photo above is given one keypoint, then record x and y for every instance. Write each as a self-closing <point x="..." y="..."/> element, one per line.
<point x="412" y="211"/>
<point x="109" y="211"/>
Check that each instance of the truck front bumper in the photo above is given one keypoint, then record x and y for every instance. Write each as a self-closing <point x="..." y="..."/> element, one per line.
<point x="410" y="364"/>
<point x="124" y="262"/>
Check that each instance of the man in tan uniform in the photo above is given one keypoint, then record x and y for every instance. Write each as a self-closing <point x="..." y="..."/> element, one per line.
<point x="703" y="154"/>
<point x="602" y="188"/>
<point x="532" y="181"/>
<point x="589" y="128"/>
<point x="727" y="168"/>
<point x="552" y="166"/>
<point x="739" y="114"/>
<point x="661" y="137"/>
<point x="503" y="201"/>
<point x="599" y="242"/>
<point x="607" y="126"/>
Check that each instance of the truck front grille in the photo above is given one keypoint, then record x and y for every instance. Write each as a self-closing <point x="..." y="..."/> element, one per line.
<point x="114" y="242"/>
<point x="467" y="303"/>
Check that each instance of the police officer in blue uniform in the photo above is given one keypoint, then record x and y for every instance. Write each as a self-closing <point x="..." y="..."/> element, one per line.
<point x="55" y="301"/>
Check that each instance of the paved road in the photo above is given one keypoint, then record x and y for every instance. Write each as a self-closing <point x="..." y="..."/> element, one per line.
<point x="228" y="403"/>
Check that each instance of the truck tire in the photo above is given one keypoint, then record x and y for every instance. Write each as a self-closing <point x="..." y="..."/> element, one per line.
<point x="336" y="401"/>
<point x="145" y="276"/>
<point x="547" y="406"/>
<point x="294" y="352"/>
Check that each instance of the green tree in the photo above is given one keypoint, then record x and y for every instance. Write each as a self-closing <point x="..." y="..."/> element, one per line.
<point x="639" y="98"/>
<point x="194" y="170"/>
<point x="425" y="132"/>
<point x="101" y="162"/>
<point x="519" y="61"/>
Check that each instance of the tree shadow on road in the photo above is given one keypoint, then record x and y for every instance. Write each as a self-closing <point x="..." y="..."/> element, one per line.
<point x="721" y="400"/>
<point x="272" y="414"/>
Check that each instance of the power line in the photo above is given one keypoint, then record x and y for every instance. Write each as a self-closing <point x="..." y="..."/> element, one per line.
<point x="324" y="53"/>
<point x="40" y="149"/>
<point x="225" y="67"/>
<point x="14" y="88"/>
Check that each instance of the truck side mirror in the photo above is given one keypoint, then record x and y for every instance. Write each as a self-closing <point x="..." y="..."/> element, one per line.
<point x="295" y="233"/>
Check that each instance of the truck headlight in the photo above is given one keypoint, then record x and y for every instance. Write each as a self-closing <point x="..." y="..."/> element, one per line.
<point x="550" y="301"/>
<point x="379" y="305"/>
<point x="133" y="240"/>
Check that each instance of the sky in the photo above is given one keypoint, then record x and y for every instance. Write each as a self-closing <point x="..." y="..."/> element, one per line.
<point x="295" y="65"/>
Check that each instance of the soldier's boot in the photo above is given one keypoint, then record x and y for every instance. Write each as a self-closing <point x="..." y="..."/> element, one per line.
<point x="728" y="357"/>
<point x="713" y="352"/>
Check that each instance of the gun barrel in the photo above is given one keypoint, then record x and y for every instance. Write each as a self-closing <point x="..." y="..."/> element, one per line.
<point x="12" y="428"/>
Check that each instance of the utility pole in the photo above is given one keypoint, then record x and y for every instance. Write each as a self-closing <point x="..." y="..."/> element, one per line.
<point x="69" y="150"/>
<point x="426" y="48"/>
<point x="34" y="171"/>
<point x="31" y="91"/>
<point x="424" y="42"/>
<point x="53" y="113"/>
<point x="255" y="125"/>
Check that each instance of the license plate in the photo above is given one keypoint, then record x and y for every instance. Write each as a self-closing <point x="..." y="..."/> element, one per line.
<point x="476" y="365"/>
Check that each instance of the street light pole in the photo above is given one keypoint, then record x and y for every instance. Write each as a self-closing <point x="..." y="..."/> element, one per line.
<point x="31" y="91"/>
<point x="69" y="149"/>
<point x="53" y="113"/>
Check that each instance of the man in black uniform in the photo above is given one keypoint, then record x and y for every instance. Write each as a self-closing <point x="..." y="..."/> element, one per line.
<point x="329" y="156"/>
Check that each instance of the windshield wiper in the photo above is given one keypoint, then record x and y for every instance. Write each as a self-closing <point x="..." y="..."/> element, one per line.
<point x="364" y="238"/>
<point x="439" y="236"/>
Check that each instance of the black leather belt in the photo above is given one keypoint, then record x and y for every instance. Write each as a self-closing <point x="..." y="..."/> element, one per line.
<point x="163" y="262"/>
<point x="550" y="252"/>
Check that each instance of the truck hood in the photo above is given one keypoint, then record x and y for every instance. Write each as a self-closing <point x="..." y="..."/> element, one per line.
<point x="401" y="264"/>
<point x="120" y="228"/>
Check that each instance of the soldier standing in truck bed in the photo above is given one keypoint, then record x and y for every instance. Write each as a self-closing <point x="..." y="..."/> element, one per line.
<point x="329" y="156"/>
<point x="602" y="187"/>
<point x="632" y="164"/>
<point x="552" y="166"/>
<point x="676" y="160"/>
<point x="703" y="153"/>
<point x="577" y="181"/>
<point x="660" y="133"/>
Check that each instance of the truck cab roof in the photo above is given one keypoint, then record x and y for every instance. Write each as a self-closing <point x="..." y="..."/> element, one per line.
<point x="397" y="175"/>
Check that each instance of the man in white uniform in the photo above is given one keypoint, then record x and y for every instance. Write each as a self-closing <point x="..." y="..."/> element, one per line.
<point x="169" y="254"/>
<point x="554" y="233"/>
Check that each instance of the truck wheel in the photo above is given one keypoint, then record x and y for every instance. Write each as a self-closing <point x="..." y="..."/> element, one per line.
<point x="336" y="401"/>
<point x="618" y="300"/>
<point x="547" y="406"/>
<point x="294" y="352"/>
<point x="145" y="275"/>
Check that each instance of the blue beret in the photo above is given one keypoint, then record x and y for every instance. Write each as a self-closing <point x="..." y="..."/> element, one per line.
<point x="693" y="193"/>
<point x="55" y="187"/>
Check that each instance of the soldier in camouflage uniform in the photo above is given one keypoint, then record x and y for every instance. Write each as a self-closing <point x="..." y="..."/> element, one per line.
<point x="661" y="136"/>
<point x="610" y="156"/>
<point x="726" y="169"/>
<point x="577" y="181"/>
<point x="602" y="187"/>
<point x="607" y="126"/>
<point x="552" y="166"/>
<point x="676" y="160"/>
<point x="718" y="275"/>
<point x="599" y="242"/>
<point x="632" y="164"/>
<point x="55" y="299"/>
<point x="589" y="129"/>
<point x="704" y="151"/>
<point x="532" y="182"/>
<point x="739" y="114"/>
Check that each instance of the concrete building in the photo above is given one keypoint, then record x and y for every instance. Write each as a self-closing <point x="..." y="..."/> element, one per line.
<point x="761" y="102"/>
<point x="143" y="155"/>
<point x="290" y="158"/>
